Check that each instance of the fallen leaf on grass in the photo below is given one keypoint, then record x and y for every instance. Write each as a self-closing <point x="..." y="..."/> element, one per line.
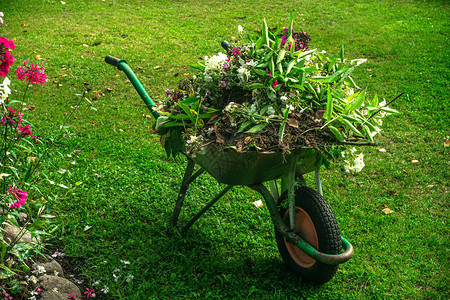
<point x="414" y="161"/>
<point x="32" y="158"/>
<point x="147" y="116"/>
<point x="157" y="68"/>
<point x="38" y="57"/>
<point x="387" y="211"/>
<point x="258" y="204"/>
<point x="381" y="150"/>
<point x="292" y="122"/>
<point x="447" y="143"/>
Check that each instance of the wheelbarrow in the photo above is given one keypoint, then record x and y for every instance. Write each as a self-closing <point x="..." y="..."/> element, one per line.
<point x="306" y="230"/>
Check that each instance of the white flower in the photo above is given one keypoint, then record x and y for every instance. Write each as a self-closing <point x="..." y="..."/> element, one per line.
<point x="215" y="62"/>
<point x="231" y="107"/>
<point x="270" y="111"/>
<point x="358" y="61"/>
<point x="283" y="98"/>
<point x="116" y="277"/>
<point x="125" y="262"/>
<point x="356" y="166"/>
<point x="105" y="290"/>
<point x="240" y="29"/>
<point x="251" y="63"/>
<point x="5" y="91"/>
<point x="243" y="74"/>
<point x="129" y="278"/>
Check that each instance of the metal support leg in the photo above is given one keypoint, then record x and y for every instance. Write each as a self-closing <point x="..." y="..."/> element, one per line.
<point x="207" y="206"/>
<point x="291" y="191"/>
<point x="187" y="179"/>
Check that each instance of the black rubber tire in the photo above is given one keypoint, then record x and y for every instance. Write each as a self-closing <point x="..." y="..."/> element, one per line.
<point x="328" y="236"/>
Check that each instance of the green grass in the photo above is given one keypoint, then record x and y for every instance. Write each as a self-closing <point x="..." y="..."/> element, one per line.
<point x="231" y="251"/>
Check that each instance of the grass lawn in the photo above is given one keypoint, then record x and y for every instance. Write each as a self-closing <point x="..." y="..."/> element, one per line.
<point x="122" y="187"/>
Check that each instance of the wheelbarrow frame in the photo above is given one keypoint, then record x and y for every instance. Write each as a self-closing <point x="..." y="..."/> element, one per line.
<point x="288" y="174"/>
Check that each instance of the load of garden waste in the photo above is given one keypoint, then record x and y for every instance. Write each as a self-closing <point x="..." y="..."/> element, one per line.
<point x="272" y="92"/>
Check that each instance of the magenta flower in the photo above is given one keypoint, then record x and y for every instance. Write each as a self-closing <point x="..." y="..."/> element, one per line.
<point x="25" y="130"/>
<point x="275" y="83"/>
<point x="6" y="59"/>
<point x="32" y="73"/>
<point x="89" y="293"/>
<point x="19" y="195"/>
<point x="236" y="51"/>
<point x="13" y="117"/>
<point x="8" y="297"/>
<point x="69" y="296"/>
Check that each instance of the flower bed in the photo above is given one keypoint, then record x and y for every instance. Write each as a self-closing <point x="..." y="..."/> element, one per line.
<point x="272" y="93"/>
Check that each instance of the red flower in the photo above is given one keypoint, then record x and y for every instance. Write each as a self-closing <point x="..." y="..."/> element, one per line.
<point x="275" y="83"/>
<point x="32" y="73"/>
<point x="6" y="59"/>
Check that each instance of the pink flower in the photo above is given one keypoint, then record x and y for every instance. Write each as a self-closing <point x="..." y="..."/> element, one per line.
<point x="89" y="293"/>
<point x="69" y="296"/>
<point x="6" y="59"/>
<point x="38" y="290"/>
<point x="26" y="130"/>
<point x="9" y="118"/>
<point x="8" y="297"/>
<point x="275" y="83"/>
<point x="236" y="51"/>
<point x="32" y="73"/>
<point x="19" y="195"/>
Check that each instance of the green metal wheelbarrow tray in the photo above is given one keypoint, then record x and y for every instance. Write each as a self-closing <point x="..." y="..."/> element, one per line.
<point x="306" y="231"/>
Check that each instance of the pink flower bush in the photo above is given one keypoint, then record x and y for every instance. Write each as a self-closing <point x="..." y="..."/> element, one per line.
<point x="19" y="195"/>
<point x="32" y="73"/>
<point x="6" y="59"/>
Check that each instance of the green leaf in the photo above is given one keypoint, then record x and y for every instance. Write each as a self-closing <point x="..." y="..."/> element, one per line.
<point x="265" y="33"/>
<point x="374" y="102"/>
<point x="346" y="74"/>
<point x="190" y="100"/>
<point x="290" y="66"/>
<point x="272" y="67"/>
<point x="368" y="133"/>
<point x="348" y="124"/>
<point x="336" y="132"/>
<point x="355" y="103"/>
<point x="257" y="128"/>
<point x="352" y="119"/>
<point x="187" y="110"/>
<point x="389" y="110"/>
<point x="329" y="111"/>
<point x="257" y="86"/>
<point x="281" y="56"/>
<point x="259" y="43"/>
<point x="280" y="68"/>
<point x="244" y="126"/>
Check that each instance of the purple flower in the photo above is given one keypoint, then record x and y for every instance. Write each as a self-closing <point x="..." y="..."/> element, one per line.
<point x="224" y="84"/>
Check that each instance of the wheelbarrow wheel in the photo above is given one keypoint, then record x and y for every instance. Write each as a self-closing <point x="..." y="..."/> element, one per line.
<point x="316" y="224"/>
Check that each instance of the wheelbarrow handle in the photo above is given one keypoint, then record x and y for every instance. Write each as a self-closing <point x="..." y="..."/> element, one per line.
<point x="113" y="60"/>
<point x="123" y="66"/>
